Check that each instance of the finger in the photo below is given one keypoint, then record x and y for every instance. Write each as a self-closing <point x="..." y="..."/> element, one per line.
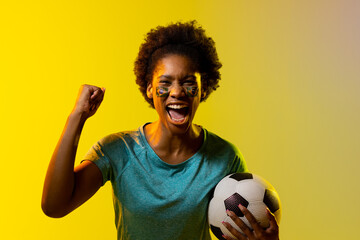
<point x="96" y="93"/>
<point x="227" y="237"/>
<point x="94" y="108"/>
<point x="99" y="97"/>
<point x="95" y="103"/>
<point x="252" y="220"/>
<point x="84" y="93"/>
<point x="98" y="100"/>
<point x="247" y="231"/>
<point x="234" y="232"/>
<point x="272" y="219"/>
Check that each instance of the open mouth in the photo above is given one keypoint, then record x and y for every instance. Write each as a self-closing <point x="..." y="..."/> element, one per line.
<point x="177" y="112"/>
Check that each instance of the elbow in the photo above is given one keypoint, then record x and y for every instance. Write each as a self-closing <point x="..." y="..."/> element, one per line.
<point x="50" y="211"/>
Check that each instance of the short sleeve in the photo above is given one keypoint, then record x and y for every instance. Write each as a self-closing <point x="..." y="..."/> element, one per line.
<point x="97" y="155"/>
<point x="239" y="164"/>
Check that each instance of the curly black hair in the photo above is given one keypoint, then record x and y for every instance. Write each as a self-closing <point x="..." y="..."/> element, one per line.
<point x="186" y="39"/>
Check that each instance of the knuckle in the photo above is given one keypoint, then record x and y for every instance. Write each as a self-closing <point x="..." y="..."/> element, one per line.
<point x="247" y="231"/>
<point x="260" y="234"/>
<point x="235" y="233"/>
<point x="232" y="216"/>
<point x="239" y="222"/>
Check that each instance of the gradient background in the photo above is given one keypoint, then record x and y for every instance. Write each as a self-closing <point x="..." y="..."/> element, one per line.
<point x="289" y="100"/>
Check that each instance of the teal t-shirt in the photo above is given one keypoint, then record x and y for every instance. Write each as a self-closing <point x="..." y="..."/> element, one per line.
<point x="156" y="200"/>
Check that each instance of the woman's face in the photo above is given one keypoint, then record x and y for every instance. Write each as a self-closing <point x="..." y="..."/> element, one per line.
<point x="176" y="91"/>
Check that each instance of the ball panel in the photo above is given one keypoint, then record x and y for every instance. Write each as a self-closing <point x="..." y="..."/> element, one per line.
<point x="217" y="232"/>
<point x="241" y="176"/>
<point x="216" y="211"/>
<point x="258" y="209"/>
<point x="271" y="200"/>
<point x="263" y="182"/>
<point x="250" y="190"/>
<point x="225" y="187"/>
<point x="232" y="203"/>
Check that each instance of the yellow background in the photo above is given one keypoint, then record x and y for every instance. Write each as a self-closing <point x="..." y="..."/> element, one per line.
<point x="289" y="100"/>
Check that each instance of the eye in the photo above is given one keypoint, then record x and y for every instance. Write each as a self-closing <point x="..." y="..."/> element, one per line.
<point x="164" y="82"/>
<point x="190" y="82"/>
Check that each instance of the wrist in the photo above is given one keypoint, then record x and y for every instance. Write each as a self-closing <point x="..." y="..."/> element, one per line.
<point x="76" y="117"/>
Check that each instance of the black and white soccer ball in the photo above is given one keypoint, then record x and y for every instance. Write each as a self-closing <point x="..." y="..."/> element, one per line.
<point x="247" y="189"/>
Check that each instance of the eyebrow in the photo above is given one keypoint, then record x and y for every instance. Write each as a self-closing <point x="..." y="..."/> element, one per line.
<point x="171" y="77"/>
<point x="165" y="76"/>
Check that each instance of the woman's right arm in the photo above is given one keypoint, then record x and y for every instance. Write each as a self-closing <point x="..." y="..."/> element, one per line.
<point x="66" y="187"/>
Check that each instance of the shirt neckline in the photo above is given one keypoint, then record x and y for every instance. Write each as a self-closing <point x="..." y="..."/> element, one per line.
<point x="158" y="159"/>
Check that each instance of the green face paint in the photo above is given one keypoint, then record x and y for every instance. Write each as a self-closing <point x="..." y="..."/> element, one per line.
<point x="162" y="91"/>
<point x="192" y="91"/>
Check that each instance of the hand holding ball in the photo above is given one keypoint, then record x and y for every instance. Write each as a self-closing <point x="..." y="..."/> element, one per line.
<point x="249" y="190"/>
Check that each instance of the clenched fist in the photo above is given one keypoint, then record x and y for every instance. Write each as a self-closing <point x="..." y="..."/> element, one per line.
<point x="88" y="101"/>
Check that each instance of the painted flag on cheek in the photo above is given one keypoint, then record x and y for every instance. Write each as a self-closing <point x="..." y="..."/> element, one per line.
<point x="192" y="91"/>
<point x="162" y="91"/>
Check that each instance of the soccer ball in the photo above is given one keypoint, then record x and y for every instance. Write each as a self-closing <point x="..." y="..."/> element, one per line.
<point x="247" y="189"/>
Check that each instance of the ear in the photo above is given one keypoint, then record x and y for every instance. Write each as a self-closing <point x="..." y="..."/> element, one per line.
<point x="203" y="89"/>
<point x="203" y="94"/>
<point x="149" y="92"/>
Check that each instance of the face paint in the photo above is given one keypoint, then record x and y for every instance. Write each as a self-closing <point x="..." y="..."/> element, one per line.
<point x="162" y="91"/>
<point x="192" y="91"/>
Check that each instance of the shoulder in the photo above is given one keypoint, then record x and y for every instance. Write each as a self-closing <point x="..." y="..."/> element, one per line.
<point x="120" y="140"/>
<point x="225" y="152"/>
<point x="217" y="143"/>
<point x="120" y="136"/>
<point x="222" y="156"/>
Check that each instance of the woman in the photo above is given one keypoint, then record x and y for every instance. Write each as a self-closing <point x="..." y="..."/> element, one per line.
<point x="162" y="173"/>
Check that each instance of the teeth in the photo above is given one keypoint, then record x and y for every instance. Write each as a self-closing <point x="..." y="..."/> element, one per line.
<point x="174" y="106"/>
<point x="178" y="120"/>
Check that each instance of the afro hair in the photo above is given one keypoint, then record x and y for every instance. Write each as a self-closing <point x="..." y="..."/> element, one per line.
<point x="187" y="39"/>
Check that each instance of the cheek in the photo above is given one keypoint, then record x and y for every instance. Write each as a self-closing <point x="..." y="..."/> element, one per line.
<point x="158" y="103"/>
<point x="196" y="103"/>
<point x="192" y="91"/>
<point x="162" y="92"/>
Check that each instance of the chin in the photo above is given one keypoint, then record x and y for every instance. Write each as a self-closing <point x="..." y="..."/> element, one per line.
<point x="179" y="125"/>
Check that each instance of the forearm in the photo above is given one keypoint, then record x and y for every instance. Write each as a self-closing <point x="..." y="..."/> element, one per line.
<point x="59" y="182"/>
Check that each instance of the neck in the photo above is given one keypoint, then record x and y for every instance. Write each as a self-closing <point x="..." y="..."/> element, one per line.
<point x="168" y="142"/>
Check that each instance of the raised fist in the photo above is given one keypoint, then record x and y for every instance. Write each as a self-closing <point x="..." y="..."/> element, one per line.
<point x="88" y="100"/>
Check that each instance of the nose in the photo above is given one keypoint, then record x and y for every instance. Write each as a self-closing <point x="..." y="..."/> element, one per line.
<point x="177" y="91"/>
